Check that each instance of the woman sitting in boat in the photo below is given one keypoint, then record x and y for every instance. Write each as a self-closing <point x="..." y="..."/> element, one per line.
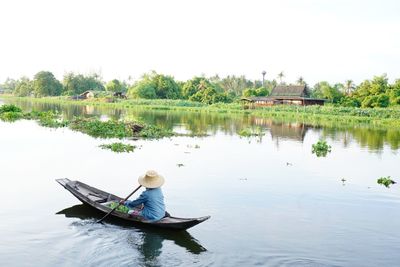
<point x="150" y="204"/>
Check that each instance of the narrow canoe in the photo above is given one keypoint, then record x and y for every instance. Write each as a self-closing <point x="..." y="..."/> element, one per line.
<point x="97" y="198"/>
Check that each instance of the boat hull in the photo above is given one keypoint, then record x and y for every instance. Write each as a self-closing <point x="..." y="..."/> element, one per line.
<point x="95" y="197"/>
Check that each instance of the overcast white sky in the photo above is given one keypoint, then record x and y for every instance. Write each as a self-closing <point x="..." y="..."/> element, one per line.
<point x="317" y="39"/>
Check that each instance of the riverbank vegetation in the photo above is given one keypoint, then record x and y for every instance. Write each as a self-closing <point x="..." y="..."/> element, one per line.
<point x="90" y="126"/>
<point x="377" y="92"/>
<point x="374" y="102"/>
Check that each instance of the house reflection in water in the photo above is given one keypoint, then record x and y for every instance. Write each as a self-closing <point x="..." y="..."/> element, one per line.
<point x="295" y="131"/>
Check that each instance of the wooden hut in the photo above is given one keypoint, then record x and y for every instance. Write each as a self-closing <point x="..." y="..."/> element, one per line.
<point x="84" y="95"/>
<point x="87" y="95"/>
<point x="285" y="94"/>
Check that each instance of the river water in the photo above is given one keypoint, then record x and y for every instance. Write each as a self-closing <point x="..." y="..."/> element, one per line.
<point x="271" y="201"/>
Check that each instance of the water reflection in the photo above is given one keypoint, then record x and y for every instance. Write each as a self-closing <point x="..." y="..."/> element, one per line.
<point x="230" y="124"/>
<point x="151" y="238"/>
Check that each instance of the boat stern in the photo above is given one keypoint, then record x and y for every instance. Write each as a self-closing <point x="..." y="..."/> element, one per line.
<point x="63" y="181"/>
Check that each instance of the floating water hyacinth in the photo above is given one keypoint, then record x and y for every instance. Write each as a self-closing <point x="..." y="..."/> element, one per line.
<point x="118" y="147"/>
<point x="321" y="148"/>
<point x="386" y="181"/>
<point x="248" y="132"/>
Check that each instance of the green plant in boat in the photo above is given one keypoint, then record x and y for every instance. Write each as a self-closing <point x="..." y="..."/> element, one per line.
<point x="121" y="208"/>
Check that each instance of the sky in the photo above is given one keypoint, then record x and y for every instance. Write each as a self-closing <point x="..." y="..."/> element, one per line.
<point x="319" y="40"/>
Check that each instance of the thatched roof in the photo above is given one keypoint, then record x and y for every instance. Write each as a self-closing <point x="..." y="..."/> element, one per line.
<point x="289" y="90"/>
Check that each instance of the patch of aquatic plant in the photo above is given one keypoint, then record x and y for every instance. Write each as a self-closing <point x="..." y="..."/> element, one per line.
<point x="249" y="132"/>
<point x="11" y="116"/>
<point x="195" y="134"/>
<point x="154" y="131"/>
<point x="10" y="113"/>
<point x="118" y="129"/>
<point x="386" y="181"/>
<point x="47" y="119"/>
<point x="121" y="208"/>
<point x="118" y="147"/>
<point x="9" y="108"/>
<point x="103" y="129"/>
<point x="321" y="148"/>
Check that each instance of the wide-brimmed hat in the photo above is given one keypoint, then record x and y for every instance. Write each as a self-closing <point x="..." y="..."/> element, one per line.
<point x="151" y="180"/>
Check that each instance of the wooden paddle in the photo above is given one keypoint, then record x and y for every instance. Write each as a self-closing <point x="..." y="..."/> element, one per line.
<point x="105" y="216"/>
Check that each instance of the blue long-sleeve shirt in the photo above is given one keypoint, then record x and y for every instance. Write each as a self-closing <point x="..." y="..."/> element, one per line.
<point x="153" y="201"/>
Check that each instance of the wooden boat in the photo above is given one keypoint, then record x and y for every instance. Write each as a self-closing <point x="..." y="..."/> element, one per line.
<point x="98" y="199"/>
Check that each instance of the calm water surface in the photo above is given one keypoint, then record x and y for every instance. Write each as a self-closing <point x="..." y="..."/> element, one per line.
<point x="272" y="202"/>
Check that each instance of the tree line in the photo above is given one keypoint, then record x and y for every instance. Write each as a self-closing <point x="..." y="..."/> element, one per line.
<point x="377" y="92"/>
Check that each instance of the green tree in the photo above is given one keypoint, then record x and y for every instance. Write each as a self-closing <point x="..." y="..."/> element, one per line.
<point x="155" y="85"/>
<point x="326" y="91"/>
<point x="9" y="85"/>
<point x="394" y="93"/>
<point x="234" y="84"/>
<point x="77" y="83"/>
<point x="348" y="87"/>
<point x="261" y="91"/>
<point x="348" y="101"/>
<point x="207" y="92"/>
<point x="280" y="77"/>
<point x="142" y="90"/>
<point x="368" y="92"/>
<point x="249" y="92"/>
<point x="374" y="101"/>
<point x="166" y="87"/>
<point x="45" y="84"/>
<point x="115" y="86"/>
<point x="194" y="85"/>
<point x="24" y="87"/>
<point x="301" y="81"/>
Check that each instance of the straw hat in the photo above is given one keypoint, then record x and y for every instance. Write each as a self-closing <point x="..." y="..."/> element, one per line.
<point x="151" y="180"/>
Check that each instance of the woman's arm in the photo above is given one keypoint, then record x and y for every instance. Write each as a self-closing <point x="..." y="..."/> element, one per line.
<point x="140" y="200"/>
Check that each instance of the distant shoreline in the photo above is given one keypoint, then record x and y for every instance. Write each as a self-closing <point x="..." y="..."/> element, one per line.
<point x="314" y="115"/>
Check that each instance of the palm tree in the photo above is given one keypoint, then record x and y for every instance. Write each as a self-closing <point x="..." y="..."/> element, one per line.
<point x="348" y="87"/>
<point x="300" y="81"/>
<point x="280" y="76"/>
<point x="263" y="75"/>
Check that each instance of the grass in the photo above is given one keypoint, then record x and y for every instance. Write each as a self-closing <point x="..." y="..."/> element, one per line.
<point x="118" y="147"/>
